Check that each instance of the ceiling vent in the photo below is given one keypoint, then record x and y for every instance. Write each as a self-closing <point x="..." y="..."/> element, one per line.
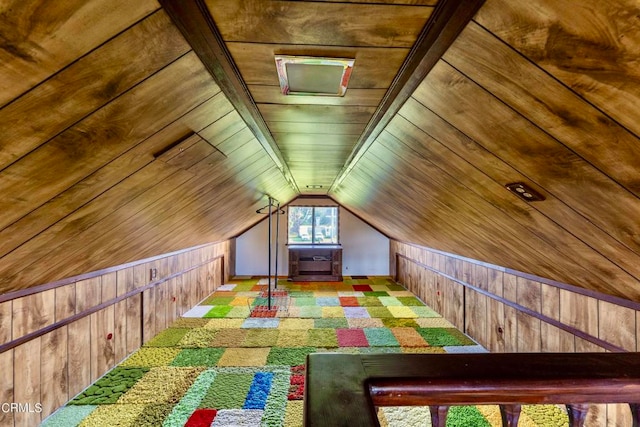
<point x="307" y="75"/>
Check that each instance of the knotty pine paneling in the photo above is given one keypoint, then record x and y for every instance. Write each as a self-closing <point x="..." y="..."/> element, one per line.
<point x="103" y="136"/>
<point x="65" y="304"/>
<point x="297" y="23"/>
<point x="34" y="49"/>
<point x="79" y="355"/>
<point x="102" y="344"/>
<point x="88" y="293"/>
<point x="59" y="364"/>
<point x="6" y="386"/>
<point x="556" y="168"/>
<point x="88" y="84"/>
<point x="27" y="366"/>
<point x="33" y="312"/>
<point x="572" y="120"/>
<point x="120" y="331"/>
<point x="54" y="391"/>
<point x="6" y="316"/>
<point x="591" y="49"/>
<point x="273" y="95"/>
<point x="486" y="173"/>
<point x="499" y="322"/>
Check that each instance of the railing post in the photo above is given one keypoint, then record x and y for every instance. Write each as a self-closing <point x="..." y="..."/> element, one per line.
<point x="635" y="414"/>
<point x="577" y="414"/>
<point x="438" y="415"/>
<point x="510" y="415"/>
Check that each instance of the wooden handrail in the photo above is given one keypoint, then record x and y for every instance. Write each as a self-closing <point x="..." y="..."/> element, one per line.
<point x="344" y="390"/>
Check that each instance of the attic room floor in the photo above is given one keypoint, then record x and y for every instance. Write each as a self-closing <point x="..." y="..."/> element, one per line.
<point x="230" y="361"/>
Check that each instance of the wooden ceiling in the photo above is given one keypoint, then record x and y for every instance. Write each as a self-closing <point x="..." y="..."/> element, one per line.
<point x="130" y="129"/>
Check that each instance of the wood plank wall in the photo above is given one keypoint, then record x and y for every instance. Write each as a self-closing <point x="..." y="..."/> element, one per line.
<point x="101" y="320"/>
<point x="507" y="311"/>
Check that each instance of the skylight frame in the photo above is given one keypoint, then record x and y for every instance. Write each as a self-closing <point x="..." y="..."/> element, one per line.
<point x="283" y="60"/>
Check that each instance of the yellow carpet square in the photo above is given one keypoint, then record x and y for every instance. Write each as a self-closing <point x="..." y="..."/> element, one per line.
<point x="296" y="324"/>
<point x="320" y="294"/>
<point x="400" y="294"/>
<point x="434" y="322"/>
<point x="228" y="337"/>
<point x="401" y="311"/>
<point x="239" y="312"/>
<point x="152" y="356"/>
<point x="292" y="338"/>
<point x="224" y="324"/>
<point x="244" y="357"/>
<point x="332" y="312"/>
<point x="292" y="312"/>
<point x="366" y="322"/>
<point x="293" y="413"/>
<point x="166" y="384"/>
<point x="423" y="350"/>
<point x="113" y="415"/>
<point x="240" y="301"/>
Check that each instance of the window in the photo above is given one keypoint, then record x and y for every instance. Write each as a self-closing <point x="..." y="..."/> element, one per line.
<point x="313" y="224"/>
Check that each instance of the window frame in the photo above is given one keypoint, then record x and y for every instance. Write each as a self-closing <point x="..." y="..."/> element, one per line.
<point x="313" y="225"/>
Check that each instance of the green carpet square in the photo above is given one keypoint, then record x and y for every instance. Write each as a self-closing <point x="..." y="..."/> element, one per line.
<point x="151" y="357"/>
<point x="300" y="302"/>
<point x="424" y="311"/>
<point x="324" y="337"/>
<point x="329" y="322"/>
<point x="213" y="300"/>
<point x="218" y="311"/>
<point x="228" y="391"/>
<point x="289" y="356"/>
<point x="313" y="312"/>
<point x="153" y="415"/>
<point x="108" y="389"/>
<point x="389" y="301"/>
<point x="375" y="294"/>
<point x="374" y="350"/>
<point x="198" y="357"/>
<point x="380" y="337"/>
<point x="440" y="337"/>
<point x="261" y="337"/>
<point x="392" y="322"/>
<point x="379" y="312"/>
<point x="167" y="338"/>
<point x="301" y="294"/>
<point x="198" y="337"/>
<point x="369" y="302"/>
<point x="259" y="301"/>
<point x="410" y="301"/>
<point x="238" y="312"/>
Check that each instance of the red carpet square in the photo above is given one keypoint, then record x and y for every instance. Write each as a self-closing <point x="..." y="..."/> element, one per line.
<point x="201" y="418"/>
<point x="263" y="311"/>
<point x="362" y="288"/>
<point x="352" y="338"/>
<point x="296" y="383"/>
<point x="349" y="302"/>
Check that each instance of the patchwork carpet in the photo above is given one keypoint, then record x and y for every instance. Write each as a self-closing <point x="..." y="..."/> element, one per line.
<point x="232" y="362"/>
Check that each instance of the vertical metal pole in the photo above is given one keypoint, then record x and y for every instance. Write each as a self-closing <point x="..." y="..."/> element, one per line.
<point x="277" y="235"/>
<point x="269" y="269"/>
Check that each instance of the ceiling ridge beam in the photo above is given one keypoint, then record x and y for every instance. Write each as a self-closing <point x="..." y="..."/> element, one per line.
<point x="446" y="22"/>
<point x="194" y="21"/>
